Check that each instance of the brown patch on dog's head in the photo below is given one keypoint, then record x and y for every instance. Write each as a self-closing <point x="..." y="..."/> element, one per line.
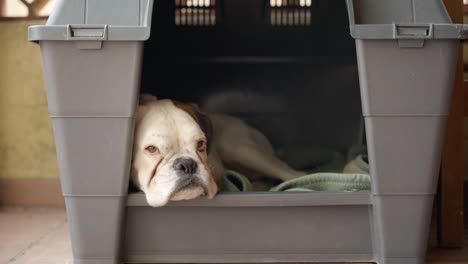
<point x="201" y="118"/>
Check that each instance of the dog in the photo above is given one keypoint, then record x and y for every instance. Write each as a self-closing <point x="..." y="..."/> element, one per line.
<point x="180" y="152"/>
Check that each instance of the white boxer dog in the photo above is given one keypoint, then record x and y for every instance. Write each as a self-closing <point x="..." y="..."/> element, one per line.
<point x="179" y="153"/>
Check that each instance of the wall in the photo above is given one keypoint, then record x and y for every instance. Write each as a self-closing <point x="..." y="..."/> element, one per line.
<point x="465" y="51"/>
<point x="465" y="55"/>
<point x="27" y="149"/>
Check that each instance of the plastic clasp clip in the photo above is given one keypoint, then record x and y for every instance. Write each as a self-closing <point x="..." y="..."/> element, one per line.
<point x="412" y="35"/>
<point x="413" y="31"/>
<point x="87" y="36"/>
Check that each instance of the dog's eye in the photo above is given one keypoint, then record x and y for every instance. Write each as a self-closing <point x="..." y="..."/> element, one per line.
<point x="152" y="149"/>
<point x="201" y="145"/>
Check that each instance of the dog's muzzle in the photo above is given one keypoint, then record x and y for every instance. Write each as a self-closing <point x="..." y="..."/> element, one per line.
<point x="187" y="172"/>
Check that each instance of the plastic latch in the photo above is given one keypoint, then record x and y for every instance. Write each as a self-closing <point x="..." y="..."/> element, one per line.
<point x="412" y="31"/>
<point x="87" y="32"/>
<point x="462" y="31"/>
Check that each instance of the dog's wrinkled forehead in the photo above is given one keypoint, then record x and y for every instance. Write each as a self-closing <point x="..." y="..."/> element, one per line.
<point x="165" y="118"/>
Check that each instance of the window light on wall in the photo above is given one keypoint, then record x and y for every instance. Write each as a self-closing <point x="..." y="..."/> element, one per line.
<point x="290" y="12"/>
<point x="195" y="12"/>
<point x="32" y="9"/>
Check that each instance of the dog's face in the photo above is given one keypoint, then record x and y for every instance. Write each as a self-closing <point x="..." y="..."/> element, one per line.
<point x="170" y="153"/>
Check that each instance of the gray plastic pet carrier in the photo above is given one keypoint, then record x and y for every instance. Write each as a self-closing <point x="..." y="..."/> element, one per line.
<point x="289" y="68"/>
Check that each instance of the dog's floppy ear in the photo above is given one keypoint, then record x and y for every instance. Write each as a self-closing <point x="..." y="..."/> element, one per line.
<point x="205" y="124"/>
<point x="201" y="118"/>
<point x="147" y="98"/>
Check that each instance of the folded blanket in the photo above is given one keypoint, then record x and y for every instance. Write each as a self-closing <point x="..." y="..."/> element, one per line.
<point x="330" y="182"/>
<point x="236" y="182"/>
<point x="328" y="171"/>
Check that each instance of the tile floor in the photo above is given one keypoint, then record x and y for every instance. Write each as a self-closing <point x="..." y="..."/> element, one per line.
<point x="34" y="236"/>
<point x="40" y="236"/>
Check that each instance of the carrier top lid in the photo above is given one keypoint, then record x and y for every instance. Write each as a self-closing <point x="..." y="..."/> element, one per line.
<point x="121" y="20"/>
<point x="402" y="19"/>
<point x="116" y="20"/>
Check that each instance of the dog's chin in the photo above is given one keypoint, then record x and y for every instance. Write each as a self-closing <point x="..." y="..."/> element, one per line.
<point x="157" y="200"/>
<point x="188" y="193"/>
<point x="160" y="197"/>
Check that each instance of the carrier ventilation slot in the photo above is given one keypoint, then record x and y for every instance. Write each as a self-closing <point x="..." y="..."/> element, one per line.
<point x="195" y="12"/>
<point x="290" y="12"/>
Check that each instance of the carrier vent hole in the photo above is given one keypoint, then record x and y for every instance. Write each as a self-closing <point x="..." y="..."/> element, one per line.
<point x="290" y="12"/>
<point x="195" y="12"/>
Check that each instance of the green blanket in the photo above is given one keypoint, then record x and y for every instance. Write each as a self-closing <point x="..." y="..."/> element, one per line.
<point x="328" y="171"/>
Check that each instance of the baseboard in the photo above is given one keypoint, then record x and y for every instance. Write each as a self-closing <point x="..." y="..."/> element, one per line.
<point x="31" y="193"/>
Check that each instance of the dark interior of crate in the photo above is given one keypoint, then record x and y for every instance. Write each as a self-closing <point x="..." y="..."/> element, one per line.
<point x="289" y="71"/>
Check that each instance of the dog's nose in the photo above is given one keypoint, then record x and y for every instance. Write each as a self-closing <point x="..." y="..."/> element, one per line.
<point x="187" y="166"/>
